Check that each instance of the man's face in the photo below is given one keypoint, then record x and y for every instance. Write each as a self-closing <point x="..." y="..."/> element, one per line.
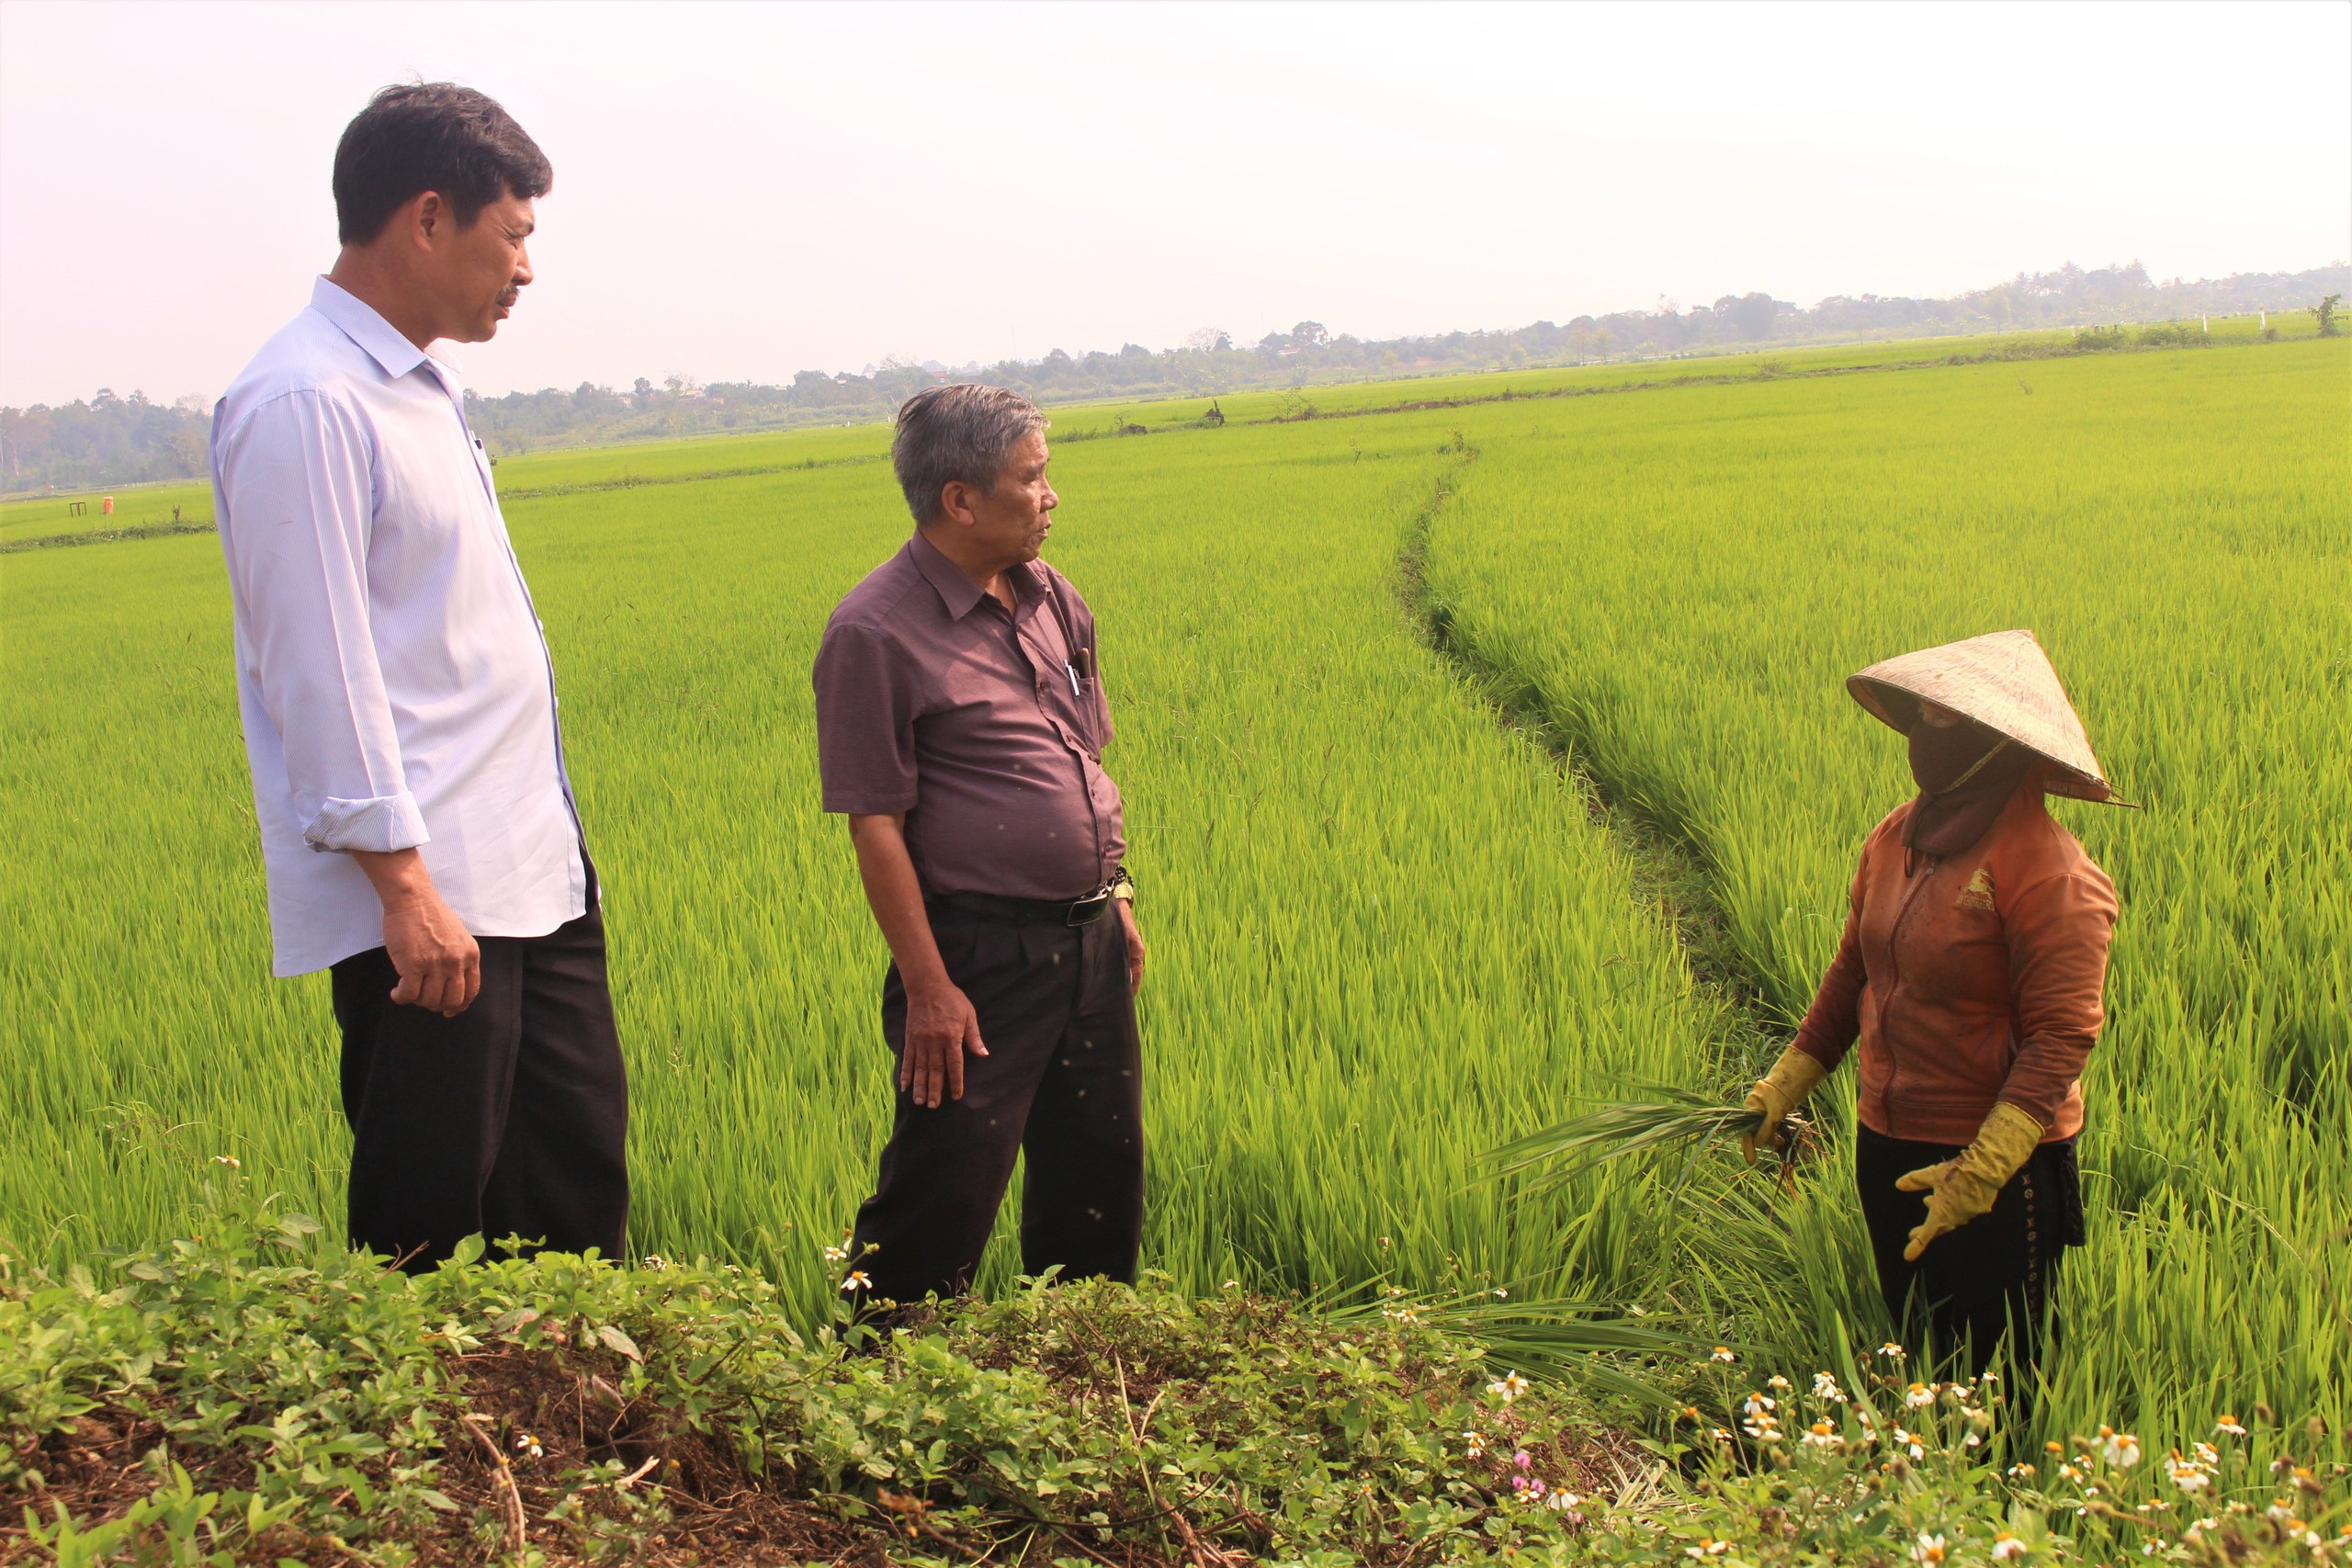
<point x="476" y="272"/>
<point x="1012" y="521"/>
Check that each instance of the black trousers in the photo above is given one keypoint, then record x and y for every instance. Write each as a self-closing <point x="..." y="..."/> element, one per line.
<point x="1062" y="1083"/>
<point x="1990" y="1277"/>
<point x="506" y="1120"/>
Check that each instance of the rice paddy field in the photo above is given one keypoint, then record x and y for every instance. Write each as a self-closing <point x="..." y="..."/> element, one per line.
<point x="1389" y="931"/>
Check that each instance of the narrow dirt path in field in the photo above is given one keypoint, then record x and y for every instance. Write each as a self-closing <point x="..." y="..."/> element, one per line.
<point x="1669" y="870"/>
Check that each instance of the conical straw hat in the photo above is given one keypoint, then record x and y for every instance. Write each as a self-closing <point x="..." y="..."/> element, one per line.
<point x="2004" y="681"/>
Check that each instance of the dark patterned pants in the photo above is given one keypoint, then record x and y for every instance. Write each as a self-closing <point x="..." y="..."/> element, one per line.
<point x="1062" y="1084"/>
<point x="1990" y="1277"/>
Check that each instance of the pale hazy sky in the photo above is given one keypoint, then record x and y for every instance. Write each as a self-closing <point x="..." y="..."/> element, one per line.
<point x="744" y="191"/>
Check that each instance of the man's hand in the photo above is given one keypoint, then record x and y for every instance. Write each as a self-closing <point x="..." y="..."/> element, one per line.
<point x="941" y="1026"/>
<point x="1135" y="947"/>
<point x="439" y="962"/>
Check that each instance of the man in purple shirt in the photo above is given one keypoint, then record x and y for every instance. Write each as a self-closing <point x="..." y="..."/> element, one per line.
<point x="960" y="727"/>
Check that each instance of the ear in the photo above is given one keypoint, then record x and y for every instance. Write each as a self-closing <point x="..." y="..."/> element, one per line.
<point x="956" y="500"/>
<point x="429" y="220"/>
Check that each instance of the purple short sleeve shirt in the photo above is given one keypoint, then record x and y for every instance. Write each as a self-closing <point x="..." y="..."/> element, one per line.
<point x="985" y="726"/>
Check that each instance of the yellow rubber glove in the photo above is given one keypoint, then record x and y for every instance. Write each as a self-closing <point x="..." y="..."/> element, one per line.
<point x="1960" y="1189"/>
<point x="1776" y="1094"/>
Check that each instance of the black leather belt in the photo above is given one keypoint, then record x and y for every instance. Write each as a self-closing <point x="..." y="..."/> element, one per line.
<point x="1026" y="911"/>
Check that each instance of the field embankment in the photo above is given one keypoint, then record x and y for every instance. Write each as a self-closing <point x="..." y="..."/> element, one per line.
<point x="259" y="1396"/>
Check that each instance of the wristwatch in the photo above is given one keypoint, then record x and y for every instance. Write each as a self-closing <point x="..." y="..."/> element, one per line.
<point x="1123" y="887"/>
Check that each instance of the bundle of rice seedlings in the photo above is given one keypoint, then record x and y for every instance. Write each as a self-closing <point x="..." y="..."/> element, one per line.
<point x="1668" y="1120"/>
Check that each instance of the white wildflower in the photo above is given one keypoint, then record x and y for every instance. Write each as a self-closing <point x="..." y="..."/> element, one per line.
<point x="2187" y="1474"/>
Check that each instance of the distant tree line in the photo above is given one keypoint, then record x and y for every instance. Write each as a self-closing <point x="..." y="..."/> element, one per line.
<point x="111" y="440"/>
<point x="108" y="440"/>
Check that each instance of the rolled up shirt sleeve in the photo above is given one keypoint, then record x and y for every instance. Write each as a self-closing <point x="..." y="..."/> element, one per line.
<point x="295" y="476"/>
<point x="2058" y="935"/>
<point x="868" y="697"/>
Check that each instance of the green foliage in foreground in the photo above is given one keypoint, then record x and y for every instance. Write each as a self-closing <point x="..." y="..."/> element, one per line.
<point x="258" y="1397"/>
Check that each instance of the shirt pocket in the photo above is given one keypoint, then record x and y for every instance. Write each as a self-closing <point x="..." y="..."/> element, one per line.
<point x="1090" y="715"/>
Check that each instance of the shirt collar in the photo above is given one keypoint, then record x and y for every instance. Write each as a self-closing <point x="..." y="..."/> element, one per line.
<point x="383" y="342"/>
<point x="959" y="594"/>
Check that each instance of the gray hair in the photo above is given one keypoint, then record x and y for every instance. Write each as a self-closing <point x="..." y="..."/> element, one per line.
<point x="962" y="432"/>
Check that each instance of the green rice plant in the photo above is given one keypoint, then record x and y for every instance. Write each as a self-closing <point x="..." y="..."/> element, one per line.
<point x="1383" y="935"/>
<point x="1387" y="936"/>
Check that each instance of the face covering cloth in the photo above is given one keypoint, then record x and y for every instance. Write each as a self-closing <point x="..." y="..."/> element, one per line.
<point x="1966" y="774"/>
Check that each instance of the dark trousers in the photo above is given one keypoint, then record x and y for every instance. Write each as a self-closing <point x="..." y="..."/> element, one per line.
<point x="1062" y="1083"/>
<point x="506" y="1120"/>
<point x="1992" y="1276"/>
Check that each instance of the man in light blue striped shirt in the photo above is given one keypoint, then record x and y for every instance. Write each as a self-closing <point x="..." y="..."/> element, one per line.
<point x="417" y="822"/>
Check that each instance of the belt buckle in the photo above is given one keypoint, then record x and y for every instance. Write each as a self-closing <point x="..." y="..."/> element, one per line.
<point x="1093" y="907"/>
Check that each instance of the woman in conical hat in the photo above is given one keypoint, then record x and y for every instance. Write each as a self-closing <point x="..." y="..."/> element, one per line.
<point x="1971" y="973"/>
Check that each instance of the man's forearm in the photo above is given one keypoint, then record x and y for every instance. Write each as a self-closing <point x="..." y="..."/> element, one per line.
<point x="398" y="875"/>
<point x="895" y="895"/>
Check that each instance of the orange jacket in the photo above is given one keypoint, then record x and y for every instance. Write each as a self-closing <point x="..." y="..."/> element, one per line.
<point x="1977" y="979"/>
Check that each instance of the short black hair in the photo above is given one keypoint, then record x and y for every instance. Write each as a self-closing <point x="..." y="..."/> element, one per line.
<point x="433" y="136"/>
